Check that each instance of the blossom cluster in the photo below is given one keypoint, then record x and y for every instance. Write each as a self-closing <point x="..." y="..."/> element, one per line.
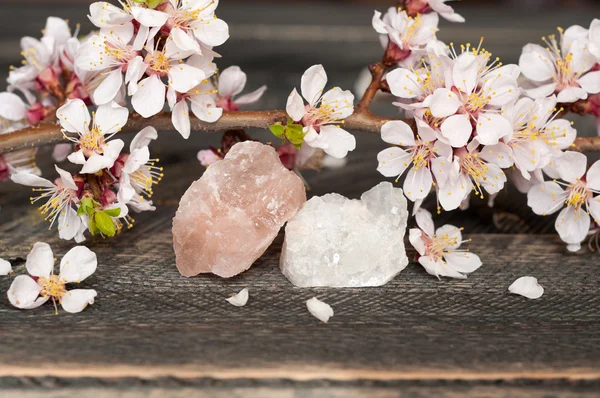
<point x="475" y="120"/>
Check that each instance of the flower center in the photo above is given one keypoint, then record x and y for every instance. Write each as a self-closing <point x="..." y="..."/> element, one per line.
<point x="578" y="195"/>
<point x="438" y="246"/>
<point x="52" y="287"/>
<point x="92" y="142"/>
<point x="159" y="63"/>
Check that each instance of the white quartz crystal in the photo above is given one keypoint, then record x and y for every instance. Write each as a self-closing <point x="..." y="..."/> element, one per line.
<point x="339" y="242"/>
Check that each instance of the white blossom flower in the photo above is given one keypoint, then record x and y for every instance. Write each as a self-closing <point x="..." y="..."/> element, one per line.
<point x="322" y="114"/>
<point x="406" y="33"/>
<point x="231" y="83"/>
<point x="573" y="222"/>
<point x="471" y="101"/>
<point x="193" y="24"/>
<point x="61" y="198"/>
<point x="424" y="155"/>
<point x="112" y="57"/>
<point x="42" y="58"/>
<point x="139" y="173"/>
<point x="562" y="68"/>
<point x="537" y="136"/>
<point x="469" y="172"/>
<point x="439" y="250"/>
<point x="149" y="98"/>
<point x="33" y="290"/>
<point x="95" y="152"/>
<point x="202" y="98"/>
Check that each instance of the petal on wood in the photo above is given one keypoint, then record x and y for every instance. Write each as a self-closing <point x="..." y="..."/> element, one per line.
<point x="240" y="299"/>
<point x="527" y="286"/>
<point x="320" y="310"/>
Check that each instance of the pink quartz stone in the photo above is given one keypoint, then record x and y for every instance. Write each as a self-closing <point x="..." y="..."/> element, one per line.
<point x="229" y="217"/>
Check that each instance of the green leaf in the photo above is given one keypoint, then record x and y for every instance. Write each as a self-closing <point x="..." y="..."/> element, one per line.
<point x="277" y="129"/>
<point x="92" y="226"/>
<point x="113" y="212"/>
<point x="153" y="3"/>
<point x="86" y="207"/>
<point x="105" y="224"/>
<point x="294" y="134"/>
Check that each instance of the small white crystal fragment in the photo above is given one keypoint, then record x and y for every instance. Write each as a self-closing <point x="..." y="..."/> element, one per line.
<point x="320" y="310"/>
<point x="527" y="286"/>
<point x="5" y="267"/>
<point x="240" y="299"/>
<point x="338" y="242"/>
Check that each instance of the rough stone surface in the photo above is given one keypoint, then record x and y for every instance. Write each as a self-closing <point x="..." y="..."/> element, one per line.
<point x="229" y="217"/>
<point x="335" y="241"/>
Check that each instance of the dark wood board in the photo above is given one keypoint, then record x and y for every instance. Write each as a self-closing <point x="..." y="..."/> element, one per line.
<point x="154" y="333"/>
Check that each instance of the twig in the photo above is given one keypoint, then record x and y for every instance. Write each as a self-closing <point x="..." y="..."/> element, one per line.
<point x="45" y="133"/>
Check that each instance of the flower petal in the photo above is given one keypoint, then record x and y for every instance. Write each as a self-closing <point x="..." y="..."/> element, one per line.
<point x="393" y="162"/>
<point x="415" y="236"/>
<point x="205" y="109"/>
<point x="499" y="154"/>
<point x="180" y="116"/>
<point x="240" y="299"/>
<point x="31" y="180"/>
<point x="592" y="178"/>
<point x="23" y="292"/>
<point x="535" y="64"/>
<point x="339" y="141"/>
<point x="76" y="300"/>
<point x="184" y="41"/>
<point x="212" y="33"/>
<point x="231" y="82"/>
<point x="110" y="118"/>
<point x="12" y="107"/>
<point x="74" y="116"/>
<point x="571" y="166"/>
<point x="40" y="260"/>
<point x="465" y="263"/>
<point x="60" y="152"/>
<point x="491" y="127"/>
<point x="444" y="103"/>
<point x="340" y="103"/>
<point x="398" y="133"/>
<point x="417" y="184"/>
<point x="404" y="83"/>
<point x="572" y="226"/>
<point x="439" y="268"/>
<point x="527" y="286"/>
<point x="546" y="198"/>
<point x="320" y="310"/>
<point x="149" y="18"/>
<point x="425" y="221"/>
<point x="295" y="106"/>
<point x="252" y="97"/>
<point x="97" y="162"/>
<point x="590" y="82"/>
<point x="312" y="84"/>
<point x="109" y="88"/>
<point x="143" y="138"/>
<point x="457" y="129"/>
<point x="5" y="267"/>
<point x="571" y="94"/>
<point x="183" y="78"/>
<point x="78" y="264"/>
<point x="150" y="97"/>
<point x="69" y="223"/>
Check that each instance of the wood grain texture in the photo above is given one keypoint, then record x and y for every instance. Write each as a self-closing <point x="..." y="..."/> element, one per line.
<point x="152" y="333"/>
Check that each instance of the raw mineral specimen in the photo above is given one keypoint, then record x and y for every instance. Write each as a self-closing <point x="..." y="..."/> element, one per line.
<point x="335" y="241"/>
<point x="229" y="217"/>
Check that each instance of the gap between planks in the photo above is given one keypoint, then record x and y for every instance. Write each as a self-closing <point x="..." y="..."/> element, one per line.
<point x="299" y="374"/>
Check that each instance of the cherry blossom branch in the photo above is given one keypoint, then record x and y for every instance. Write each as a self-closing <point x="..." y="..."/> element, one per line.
<point x="45" y="133"/>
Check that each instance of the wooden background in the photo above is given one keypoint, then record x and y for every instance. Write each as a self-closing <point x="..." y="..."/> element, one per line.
<point x="153" y="333"/>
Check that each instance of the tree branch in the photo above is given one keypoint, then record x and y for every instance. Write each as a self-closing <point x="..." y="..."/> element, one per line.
<point x="45" y="132"/>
